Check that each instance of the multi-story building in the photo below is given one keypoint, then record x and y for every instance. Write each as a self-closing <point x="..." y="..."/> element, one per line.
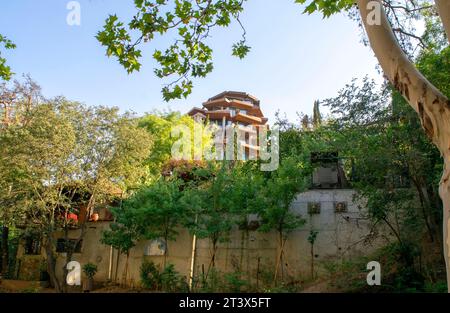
<point x="234" y="108"/>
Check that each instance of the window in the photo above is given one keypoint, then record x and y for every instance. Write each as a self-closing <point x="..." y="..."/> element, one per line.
<point x="340" y="207"/>
<point x="313" y="208"/>
<point x="32" y="245"/>
<point x="63" y="246"/>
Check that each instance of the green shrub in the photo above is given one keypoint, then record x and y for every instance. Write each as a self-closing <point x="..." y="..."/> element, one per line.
<point x="90" y="269"/>
<point x="168" y="280"/>
<point x="217" y="281"/>
<point x="171" y="281"/>
<point x="438" y="287"/>
<point x="150" y="276"/>
<point x="212" y="283"/>
<point x="235" y="283"/>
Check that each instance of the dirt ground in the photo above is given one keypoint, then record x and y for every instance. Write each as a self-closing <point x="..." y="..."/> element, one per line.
<point x="22" y="286"/>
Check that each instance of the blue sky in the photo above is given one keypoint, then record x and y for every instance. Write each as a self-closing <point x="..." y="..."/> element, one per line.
<point x="294" y="60"/>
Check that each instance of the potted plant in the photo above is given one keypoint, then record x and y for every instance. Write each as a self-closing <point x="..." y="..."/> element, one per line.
<point x="89" y="269"/>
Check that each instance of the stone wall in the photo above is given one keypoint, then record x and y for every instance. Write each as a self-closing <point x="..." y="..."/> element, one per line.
<point x="340" y="235"/>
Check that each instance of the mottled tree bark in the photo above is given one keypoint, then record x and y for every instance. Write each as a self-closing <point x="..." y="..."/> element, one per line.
<point x="443" y="7"/>
<point x="431" y="105"/>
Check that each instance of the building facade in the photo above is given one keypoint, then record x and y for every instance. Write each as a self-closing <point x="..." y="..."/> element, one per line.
<point x="234" y="112"/>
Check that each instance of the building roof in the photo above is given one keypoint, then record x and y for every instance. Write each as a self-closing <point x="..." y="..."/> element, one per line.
<point x="232" y="94"/>
<point x="248" y="107"/>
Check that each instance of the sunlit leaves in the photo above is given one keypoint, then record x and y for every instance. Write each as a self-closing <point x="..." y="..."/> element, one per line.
<point x="5" y="70"/>
<point x="436" y="68"/>
<point x="189" y="55"/>
<point x="326" y="7"/>
<point x="116" y="38"/>
<point x="240" y="49"/>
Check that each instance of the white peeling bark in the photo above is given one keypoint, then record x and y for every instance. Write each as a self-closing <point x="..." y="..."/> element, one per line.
<point x="431" y="105"/>
<point x="443" y="8"/>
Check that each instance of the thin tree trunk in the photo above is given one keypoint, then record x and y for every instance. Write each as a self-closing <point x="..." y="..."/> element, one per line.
<point x="65" y="271"/>
<point x="166" y="250"/>
<point x="5" y="251"/>
<point x="165" y="257"/>
<point x="212" y="263"/>
<point x="117" y="266"/>
<point x="241" y="258"/>
<point x="69" y="253"/>
<point x="277" y="263"/>
<point x="51" y="265"/>
<point x="312" y="261"/>
<point x="424" y="211"/>
<point x="213" y="257"/>
<point x="431" y="105"/>
<point x="125" y="274"/>
<point x="281" y="243"/>
<point x="392" y="228"/>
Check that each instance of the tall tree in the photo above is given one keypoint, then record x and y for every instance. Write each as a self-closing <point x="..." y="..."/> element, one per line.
<point x="159" y="211"/>
<point x="123" y="234"/>
<point x="16" y="101"/>
<point x="162" y="127"/>
<point x="276" y="215"/>
<point x="66" y="149"/>
<point x="209" y="215"/>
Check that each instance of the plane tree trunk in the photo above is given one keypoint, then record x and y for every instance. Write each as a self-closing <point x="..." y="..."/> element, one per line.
<point x="443" y="8"/>
<point x="431" y="105"/>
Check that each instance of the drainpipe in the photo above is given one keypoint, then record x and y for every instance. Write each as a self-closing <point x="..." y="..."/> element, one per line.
<point x="194" y="248"/>
<point x="224" y="149"/>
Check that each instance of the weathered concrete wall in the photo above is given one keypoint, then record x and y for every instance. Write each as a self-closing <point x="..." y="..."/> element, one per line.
<point x="340" y="235"/>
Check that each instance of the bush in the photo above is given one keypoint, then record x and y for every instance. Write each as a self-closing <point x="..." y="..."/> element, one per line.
<point x="223" y="282"/>
<point x="438" y="287"/>
<point x="211" y="283"/>
<point x="90" y="269"/>
<point x="168" y="280"/>
<point x="171" y="281"/>
<point x="235" y="283"/>
<point x="149" y="275"/>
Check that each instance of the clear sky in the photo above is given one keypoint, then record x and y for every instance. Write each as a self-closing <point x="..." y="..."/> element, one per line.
<point x="294" y="60"/>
